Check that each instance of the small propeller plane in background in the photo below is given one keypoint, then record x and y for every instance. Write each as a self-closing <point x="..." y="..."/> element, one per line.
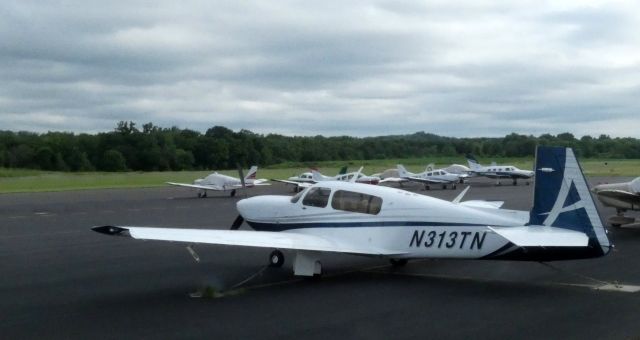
<point x="305" y="179"/>
<point x="623" y="197"/>
<point x="368" y="220"/>
<point x="347" y="177"/>
<point x="220" y="182"/>
<point x="428" y="177"/>
<point x="498" y="171"/>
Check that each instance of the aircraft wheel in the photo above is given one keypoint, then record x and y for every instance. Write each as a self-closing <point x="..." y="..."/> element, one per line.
<point x="233" y="192"/>
<point x="453" y="187"/>
<point x="444" y="186"/>
<point x="276" y="259"/>
<point x="427" y="187"/>
<point x="199" y="195"/>
<point x="398" y="262"/>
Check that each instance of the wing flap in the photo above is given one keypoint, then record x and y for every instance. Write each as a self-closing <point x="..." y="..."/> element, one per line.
<point x="542" y="236"/>
<point x="264" y="239"/>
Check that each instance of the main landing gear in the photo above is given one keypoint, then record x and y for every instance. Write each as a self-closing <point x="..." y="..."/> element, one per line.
<point x="202" y="194"/>
<point x="233" y="193"/>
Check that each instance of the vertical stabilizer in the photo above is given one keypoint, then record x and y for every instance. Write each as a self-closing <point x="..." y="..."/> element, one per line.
<point x="473" y="162"/>
<point x="562" y="197"/>
<point x="402" y="172"/>
<point x="252" y="173"/>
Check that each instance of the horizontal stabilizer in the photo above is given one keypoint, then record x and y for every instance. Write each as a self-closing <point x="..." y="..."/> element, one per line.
<point x="540" y="236"/>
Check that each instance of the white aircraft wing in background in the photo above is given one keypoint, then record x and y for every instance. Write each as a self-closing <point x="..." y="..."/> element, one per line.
<point x="263" y="239"/>
<point x="197" y="186"/>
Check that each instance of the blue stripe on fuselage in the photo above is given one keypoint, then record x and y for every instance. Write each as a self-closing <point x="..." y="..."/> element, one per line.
<point x="288" y="226"/>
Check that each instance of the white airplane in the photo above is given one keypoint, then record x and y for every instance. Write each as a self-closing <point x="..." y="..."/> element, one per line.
<point x="220" y="182"/>
<point x="359" y="177"/>
<point x="623" y="197"/>
<point x="498" y="171"/>
<point x="305" y="179"/>
<point x="428" y="177"/>
<point x="352" y="218"/>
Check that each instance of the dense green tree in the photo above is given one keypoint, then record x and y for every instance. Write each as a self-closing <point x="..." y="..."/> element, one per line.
<point x="113" y="160"/>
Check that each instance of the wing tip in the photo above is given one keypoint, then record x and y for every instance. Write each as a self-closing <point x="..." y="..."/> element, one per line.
<point x="111" y="230"/>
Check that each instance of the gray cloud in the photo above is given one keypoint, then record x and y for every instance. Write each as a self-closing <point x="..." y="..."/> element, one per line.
<point x="332" y="68"/>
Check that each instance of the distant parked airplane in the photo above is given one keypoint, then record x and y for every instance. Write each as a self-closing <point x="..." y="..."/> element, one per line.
<point x="498" y="171"/>
<point x="305" y="179"/>
<point x="623" y="197"/>
<point x="219" y="182"/>
<point x="360" y="177"/>
<point x="427" y="177"/>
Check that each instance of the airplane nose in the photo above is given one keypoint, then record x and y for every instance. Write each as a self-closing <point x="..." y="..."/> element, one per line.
<point x="241" y="206"/>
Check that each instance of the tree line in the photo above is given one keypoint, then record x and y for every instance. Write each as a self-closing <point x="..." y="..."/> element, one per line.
<point x="153" y="148"/>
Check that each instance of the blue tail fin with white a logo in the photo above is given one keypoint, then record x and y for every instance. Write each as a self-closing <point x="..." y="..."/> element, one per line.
<point x="562" y="198"/>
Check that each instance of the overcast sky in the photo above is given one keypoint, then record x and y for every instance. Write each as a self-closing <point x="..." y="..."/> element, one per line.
<point x="475" y="68"/>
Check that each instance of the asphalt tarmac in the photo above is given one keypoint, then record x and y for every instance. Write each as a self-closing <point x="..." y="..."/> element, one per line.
<point x="59" y="279"/>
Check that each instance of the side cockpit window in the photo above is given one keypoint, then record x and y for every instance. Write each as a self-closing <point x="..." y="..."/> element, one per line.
<point x="297" y="196"/>
<point x="356" y="202"/>
<point x="317" y="197"/>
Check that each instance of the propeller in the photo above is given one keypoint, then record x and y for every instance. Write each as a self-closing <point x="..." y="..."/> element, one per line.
<point x="242" y="182"/>
<point x="237" y="223"/>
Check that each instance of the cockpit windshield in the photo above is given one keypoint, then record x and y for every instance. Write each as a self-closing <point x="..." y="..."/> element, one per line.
<point x="297" y="196"/>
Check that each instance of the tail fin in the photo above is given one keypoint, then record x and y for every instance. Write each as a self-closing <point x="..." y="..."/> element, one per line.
<point x="562" y="197"/>
<point x="252" y="173"/>
<point x="473" y="162"/>
<point x="316" y="176"/>
<point x="430" y="167"/>
<point x="343" y="170"/>
<point x="402" y="172"/>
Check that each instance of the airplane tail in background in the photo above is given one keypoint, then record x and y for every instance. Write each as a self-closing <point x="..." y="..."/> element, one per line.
<point x="402" y="172"/>
<point x="316" y="176"/>
<point x="473" y="162"/>
<point x="430" y="167"/>
<point x="343" y="170"/>
<point x="252" y="173"/>
<point x="562" y="198"/>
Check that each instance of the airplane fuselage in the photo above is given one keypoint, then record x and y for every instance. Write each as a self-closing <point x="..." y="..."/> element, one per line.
<point x="415" y="226"/>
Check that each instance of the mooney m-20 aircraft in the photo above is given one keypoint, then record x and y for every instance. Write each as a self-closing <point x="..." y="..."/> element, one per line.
<point x="220" y="182"/>
<point x="352" y="218"/>
<point x="498" y="171"/>
<point x="428" y="177"/>
<point x="623" y="197"/>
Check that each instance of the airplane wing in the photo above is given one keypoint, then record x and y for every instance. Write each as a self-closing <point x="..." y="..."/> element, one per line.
<point x="393" y="180"/>
<point x="542" y="236"/>
<point x="263" y="239"/>
<point x="427" y="180"/>
<point x="621" y="195"/>
<point x="197" y="186"/>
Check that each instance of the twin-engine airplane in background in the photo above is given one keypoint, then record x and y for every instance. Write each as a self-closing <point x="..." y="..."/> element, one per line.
<point x="352" y="218"/>
<point x="220" y="182"/>
<point x="498" y="171"/>
<point x="428" y="177"/>
<point x="623" y="197"/>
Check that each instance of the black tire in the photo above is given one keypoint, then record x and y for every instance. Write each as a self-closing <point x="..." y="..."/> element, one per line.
<point x="199" y="195"/>
<point x="233" y="193"/>
<point x="444" y="187"/>
<point x="453" y="187"/>
<point x="276" y="259"/>
<point x="398" y="262"/>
